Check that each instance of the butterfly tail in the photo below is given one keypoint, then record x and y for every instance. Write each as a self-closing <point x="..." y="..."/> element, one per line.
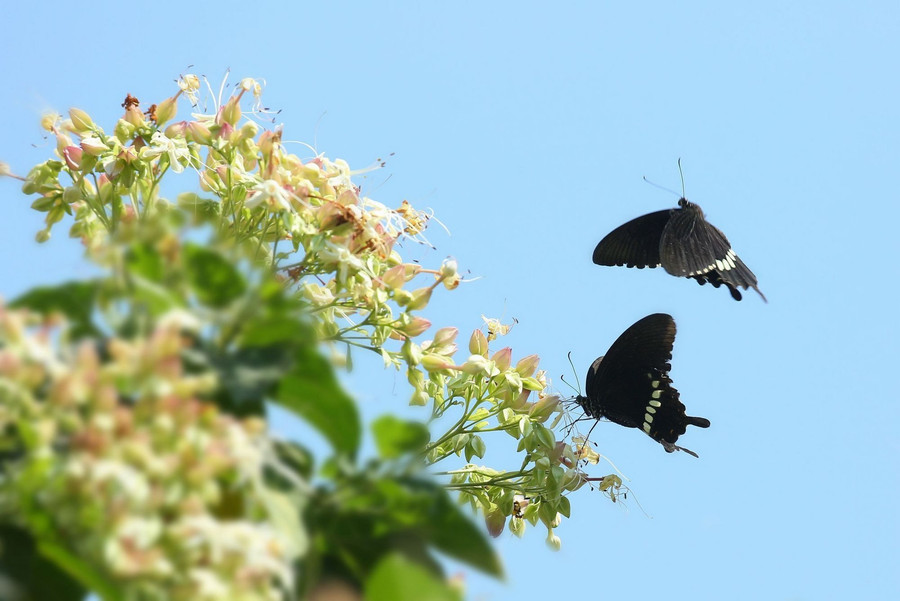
<point x="700" y="422"/>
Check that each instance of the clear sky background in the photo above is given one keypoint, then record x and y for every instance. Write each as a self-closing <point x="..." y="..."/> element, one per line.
<point x="527" y="128"/>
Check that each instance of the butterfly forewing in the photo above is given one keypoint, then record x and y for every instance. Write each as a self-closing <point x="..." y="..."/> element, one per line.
<point x="630" y="385"/>
<point x="619" y="385"/>
<point x="634" y="244"/>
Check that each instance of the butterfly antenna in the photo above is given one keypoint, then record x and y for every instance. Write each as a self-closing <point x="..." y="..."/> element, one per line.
<point x="575" y="373"/>
<point x="655" y="185"/>
<point x="681" y="173"/>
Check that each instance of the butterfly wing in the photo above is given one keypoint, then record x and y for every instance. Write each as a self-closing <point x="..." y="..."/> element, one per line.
<point x="630" y="385"/>
<point x="635" y="243"/>
<point x="692" y="247"/>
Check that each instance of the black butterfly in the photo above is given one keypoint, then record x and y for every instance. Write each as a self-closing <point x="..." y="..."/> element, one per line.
<point x="630" y="385"/>
<point x="683" y="242"/>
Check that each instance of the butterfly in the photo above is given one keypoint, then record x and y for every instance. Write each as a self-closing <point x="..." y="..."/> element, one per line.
<point x="683" y="242"/>
<point x="630" y="385"/>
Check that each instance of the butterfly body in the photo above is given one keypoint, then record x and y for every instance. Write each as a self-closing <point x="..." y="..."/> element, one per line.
<point x="630" y="385"/>
<point x="683" y="242"/>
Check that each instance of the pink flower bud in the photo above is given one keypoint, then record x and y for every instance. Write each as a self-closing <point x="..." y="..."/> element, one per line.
<point x="478" y="343"/>
<point x="527" y="365"/>
<point x="197" y="132"/>
<point x="416" y="326"/>
<point x="495" y="521"/>
<point x="72" y="156"/>
<point x="134" y="116"/>
<point x="394" y="277"/>
<point x="94" y="146"/>
<point x="176" y="130"/>
<point x="444" y="336"/>
<point x="503" y="358"/>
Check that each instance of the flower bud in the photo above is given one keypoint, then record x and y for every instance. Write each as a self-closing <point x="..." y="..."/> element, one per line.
<point x="43" y="235"/>
<point x="478" y="343"/>
<point x="416" y="326"/>
<point x="72" y="155"/>
<point x="448" y="268"/>
<point x="166" y="109"/>
<point x="432" y="362"/>
<point x="81" y="121"/>
<point x="231" y="112"/>
<point x="502" y="358"/>
<point x="249" y="130"/>
<point x="198" y="132"/>
<point x="93" y="145"/>
<point x="495" y="521"/>
<point x="420" y="298"/>
<point x="394" y="277"/>
<point x="545" y="406"/>
<point x="527" y="365"/>
<point x="411" y="352"/>
<point x="419" y="398"/>
<point x="415" y="378"/>
<point x="402" y="297"/>
<point x="176" y="130"/>
<point x="553" y="541"/>
<point x="444" y="336"/>
<point x="134" y="116"/>
<point x="478" y="364"/>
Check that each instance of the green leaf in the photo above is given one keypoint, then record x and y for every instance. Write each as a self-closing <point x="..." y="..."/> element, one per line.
<point x="399" y="579"/>
<point x="75" y="300"/>
<point x="26" y="575"/>
<point x="395" y="437"/>
<point x="452" y="532"/>
<point x="312" y="391"/>
<point x="214" y="279"/>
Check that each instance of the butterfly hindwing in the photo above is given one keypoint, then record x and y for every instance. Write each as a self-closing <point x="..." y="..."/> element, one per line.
<point x="634" y="244"/>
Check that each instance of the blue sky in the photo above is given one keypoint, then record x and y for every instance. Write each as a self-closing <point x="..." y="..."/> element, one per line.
<point x="527" y="128"/>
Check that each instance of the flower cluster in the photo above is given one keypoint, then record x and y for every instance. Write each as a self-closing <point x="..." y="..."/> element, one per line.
<point x="134" y="427"/>
<point x="116" y="458"/>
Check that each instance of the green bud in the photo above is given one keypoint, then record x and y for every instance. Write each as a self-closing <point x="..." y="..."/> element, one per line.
<point x="420" y="298"/>
<point x="124" y="131"/>
<point x="432" y="362"/>
<point x="527" y="365"/>
<point x="166" y="109"/>
<point x="231" y="112"/>
<point x="495" y="520"/>
<point x="478" y="343"/>
<point x="81" y="121"/>
<point x="43" y="235"/>
<point x="419" y="398"/>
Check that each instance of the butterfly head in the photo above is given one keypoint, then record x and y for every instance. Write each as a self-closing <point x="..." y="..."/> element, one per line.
<point x="685" y="204"/>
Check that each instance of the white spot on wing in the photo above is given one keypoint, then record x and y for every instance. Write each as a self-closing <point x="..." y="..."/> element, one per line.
<point x="648" y="418"/>
<point x="656" y="394"/>
<point x="655" y="404"/>
<point x="647" y="428"/>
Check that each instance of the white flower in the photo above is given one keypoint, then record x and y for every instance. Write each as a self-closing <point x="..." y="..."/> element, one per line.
<point x="270" y="193"/>
<point x="176" y="149"/>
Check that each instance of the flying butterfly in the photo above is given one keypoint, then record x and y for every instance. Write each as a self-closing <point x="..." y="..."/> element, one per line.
<point x="630" y="385"/>
<point x="683" y="242"/>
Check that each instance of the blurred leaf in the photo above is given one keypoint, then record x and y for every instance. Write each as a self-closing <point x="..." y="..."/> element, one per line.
<point x="248" y="376"/>
<point x="284" y="515"/>
<point x="81" y="571"/>
<point x="75" y="300"/>
<point x="312" y="391"/>
<point x="399" y="579"/>
<point x="395" y="437"/>
<point x="215" y="280"/>
<point x="25" y="575"/>
<point x="455" y="534"/>
<point x="144" y="260"/>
